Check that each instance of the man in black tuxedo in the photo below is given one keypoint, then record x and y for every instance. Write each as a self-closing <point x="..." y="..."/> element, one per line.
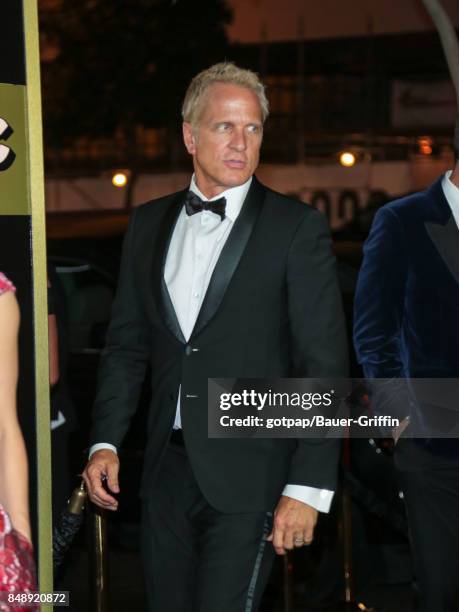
<point x="226" y="279"/>
<point x="406" y="325"/>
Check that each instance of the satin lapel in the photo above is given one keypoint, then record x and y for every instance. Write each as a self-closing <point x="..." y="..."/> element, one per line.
<point x="446" y="239"/>
<point x="230" y="256"/>
<point x="160" y="291"/>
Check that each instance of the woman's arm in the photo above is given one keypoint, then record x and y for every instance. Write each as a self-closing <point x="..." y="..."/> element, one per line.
<point x="13" y="457"/>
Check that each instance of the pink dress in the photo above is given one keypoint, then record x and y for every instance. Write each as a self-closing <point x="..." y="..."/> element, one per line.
<point x="17" y="569"/>
<point x="5" y="284"/>
<point x="17" y="566"/>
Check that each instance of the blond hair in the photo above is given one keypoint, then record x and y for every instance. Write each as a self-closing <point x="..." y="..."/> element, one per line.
<point x="224" y="72"/>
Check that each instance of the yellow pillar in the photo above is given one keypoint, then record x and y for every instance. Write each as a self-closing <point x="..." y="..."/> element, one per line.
<point x="22" y="210"/>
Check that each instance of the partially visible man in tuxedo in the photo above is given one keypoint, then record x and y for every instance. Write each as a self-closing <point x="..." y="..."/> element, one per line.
<point x="224" y="279"/>
<point x="406" y="325"/>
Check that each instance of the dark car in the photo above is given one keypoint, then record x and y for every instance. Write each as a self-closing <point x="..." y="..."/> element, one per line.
<point x="85" y="250"/>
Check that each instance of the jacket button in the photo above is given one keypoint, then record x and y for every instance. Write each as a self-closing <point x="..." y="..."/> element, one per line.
<point x="188" y="350"/>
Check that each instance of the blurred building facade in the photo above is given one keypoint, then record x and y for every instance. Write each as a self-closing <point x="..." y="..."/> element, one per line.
<point x="383" y="96"/>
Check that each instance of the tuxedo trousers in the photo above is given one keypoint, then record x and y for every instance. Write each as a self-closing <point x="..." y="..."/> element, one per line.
<point x="432" y="505"/>
<point x="195" y="558"/>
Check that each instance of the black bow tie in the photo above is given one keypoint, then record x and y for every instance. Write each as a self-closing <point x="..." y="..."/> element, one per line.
<point x="194" y="204"/>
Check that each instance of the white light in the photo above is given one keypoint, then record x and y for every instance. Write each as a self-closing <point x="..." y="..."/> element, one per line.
<point x="119" y="179"/>
<point x="347" y="159"/>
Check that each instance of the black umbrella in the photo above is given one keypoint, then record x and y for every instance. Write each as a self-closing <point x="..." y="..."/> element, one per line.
<point x="68" y="524"/>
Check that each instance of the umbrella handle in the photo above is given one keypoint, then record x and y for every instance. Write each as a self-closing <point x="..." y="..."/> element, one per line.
<point x="77" y="499"/>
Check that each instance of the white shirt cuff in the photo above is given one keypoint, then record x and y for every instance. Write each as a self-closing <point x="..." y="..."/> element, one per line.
<point x="320" y="499"/>
<point x="100" y="446"/>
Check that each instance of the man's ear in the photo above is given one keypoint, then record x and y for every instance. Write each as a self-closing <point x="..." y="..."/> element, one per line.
<point x="189" y="137"/>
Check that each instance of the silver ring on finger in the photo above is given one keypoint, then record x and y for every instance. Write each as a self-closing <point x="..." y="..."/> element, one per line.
<point x="298" y="542"/>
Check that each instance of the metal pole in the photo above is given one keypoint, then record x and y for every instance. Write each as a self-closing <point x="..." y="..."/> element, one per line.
<point x="289" y="605"/>
<point x="100" y="561"/>
<point x="349" y="597"/>
<point x="347" y="541"/>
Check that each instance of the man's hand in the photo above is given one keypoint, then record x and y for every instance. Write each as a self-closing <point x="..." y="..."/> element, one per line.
<point x="294" y="524"/>
<point x="103" y="465"/>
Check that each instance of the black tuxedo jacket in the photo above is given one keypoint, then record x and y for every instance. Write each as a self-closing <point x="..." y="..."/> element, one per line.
<point x="272" y="309"/>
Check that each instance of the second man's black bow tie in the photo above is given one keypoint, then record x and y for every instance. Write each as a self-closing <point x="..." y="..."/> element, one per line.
<point x="194" y="204"/>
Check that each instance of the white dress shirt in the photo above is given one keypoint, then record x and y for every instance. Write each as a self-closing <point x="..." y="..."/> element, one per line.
<point x="195" y="247"/>
<point x="451" y="192"/>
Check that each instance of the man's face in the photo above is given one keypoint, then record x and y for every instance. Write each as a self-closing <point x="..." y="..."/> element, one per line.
<point x="225" y="143"/>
